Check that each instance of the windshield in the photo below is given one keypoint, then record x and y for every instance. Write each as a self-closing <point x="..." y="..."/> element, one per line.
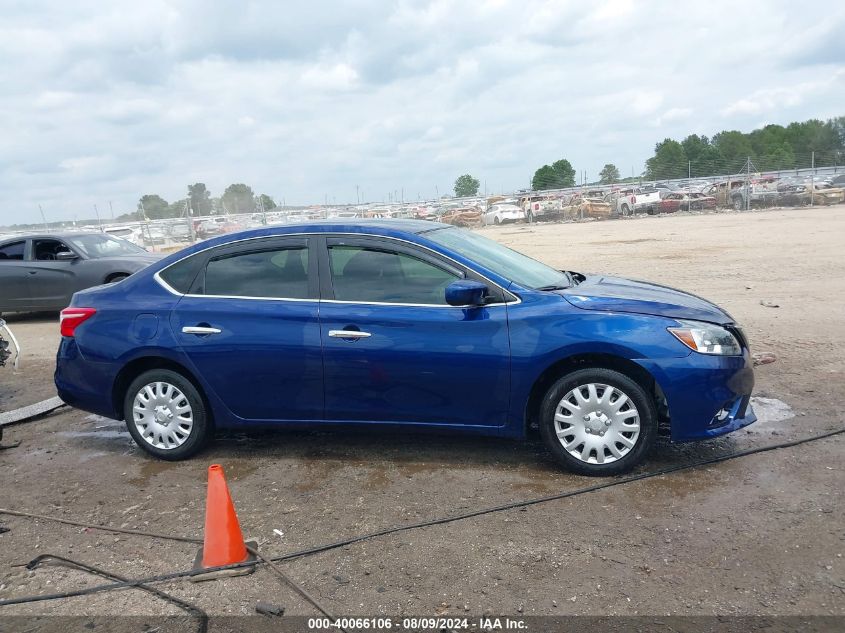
<point x="98" y="245"/>
<point x="501" y="260"/>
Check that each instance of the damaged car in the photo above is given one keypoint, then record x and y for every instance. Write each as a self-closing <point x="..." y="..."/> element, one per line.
<point x="401" y="324"/>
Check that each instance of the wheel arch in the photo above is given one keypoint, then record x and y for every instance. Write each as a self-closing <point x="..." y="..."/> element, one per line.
<point x="137" y="366"/>
<point x="114" y="275"/>
<point x="590" y="360"/>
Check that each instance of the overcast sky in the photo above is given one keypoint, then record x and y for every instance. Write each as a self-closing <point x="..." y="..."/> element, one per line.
<point x="107" y="101"/>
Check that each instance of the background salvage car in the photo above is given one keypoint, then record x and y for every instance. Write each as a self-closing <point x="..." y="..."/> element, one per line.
<point x="42" y="271"/>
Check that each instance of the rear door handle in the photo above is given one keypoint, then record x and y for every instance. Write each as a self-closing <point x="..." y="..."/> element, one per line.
<point x="348" y="334"/>
<point x="197" y="329"/>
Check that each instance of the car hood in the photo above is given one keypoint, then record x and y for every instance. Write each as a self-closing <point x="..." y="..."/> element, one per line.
<point x="136" y="260"/>
<point x="616" y="294"/>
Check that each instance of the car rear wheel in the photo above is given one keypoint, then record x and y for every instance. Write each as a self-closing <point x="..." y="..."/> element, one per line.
<point x="598" y="422"/>
<point x="165" y="414"/>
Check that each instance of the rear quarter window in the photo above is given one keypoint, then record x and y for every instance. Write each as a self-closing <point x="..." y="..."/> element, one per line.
<point x="181" y="275"/>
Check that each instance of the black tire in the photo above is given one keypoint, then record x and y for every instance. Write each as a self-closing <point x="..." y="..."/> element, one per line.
<point x="737" y="204"/>
<point x="637" y="395"/>
<point x="200" y="431"/>
<point x="496" y="221"/>
<point x="626" y="210"/>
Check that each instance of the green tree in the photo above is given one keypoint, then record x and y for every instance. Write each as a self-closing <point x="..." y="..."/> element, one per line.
<point x="735" y="148"/>
<point x="558" y="175"/>
<point x="238" y="198"/>
<point x="177" y="209"/>
<point x="200" y="198"/>
<point x="609" y="174"/>
<point x="466" y="186"/>
<point x="266" y="201"/>
<point x="669" y="161"/>
<point x="153" y="206"/>
<point x="780" y="157"/>
<point x="704" y="159"/>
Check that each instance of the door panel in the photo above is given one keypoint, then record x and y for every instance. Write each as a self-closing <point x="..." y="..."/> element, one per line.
<point x="414" y="359"/>
<point x="425" y="365"/>
<point x="265" y="363"/>
<point x="14" y="291"/>
<point x="51" y="284"/>
<point x="262" y="356"/>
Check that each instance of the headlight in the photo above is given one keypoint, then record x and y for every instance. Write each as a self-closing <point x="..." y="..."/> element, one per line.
<point x="706" y="338"/>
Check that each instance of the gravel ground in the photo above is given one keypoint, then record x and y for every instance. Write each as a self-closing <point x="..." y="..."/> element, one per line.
<point x="758" y="535"/>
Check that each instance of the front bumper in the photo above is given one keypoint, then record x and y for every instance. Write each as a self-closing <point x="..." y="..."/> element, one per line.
<point x="707" y="396"/>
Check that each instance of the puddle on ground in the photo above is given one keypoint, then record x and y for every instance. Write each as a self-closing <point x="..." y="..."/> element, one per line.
<point x="771" y="414"/>
<point x="104" y="434"/>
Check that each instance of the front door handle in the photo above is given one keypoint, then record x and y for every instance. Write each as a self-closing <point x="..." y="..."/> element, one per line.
<point x="198" y="329"/>
<point x="348" y="334"/>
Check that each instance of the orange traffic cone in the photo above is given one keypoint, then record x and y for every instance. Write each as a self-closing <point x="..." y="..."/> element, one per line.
<point x="223" y="543"/>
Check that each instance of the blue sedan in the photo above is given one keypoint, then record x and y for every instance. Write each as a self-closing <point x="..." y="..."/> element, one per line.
<point x="401" y="324"/>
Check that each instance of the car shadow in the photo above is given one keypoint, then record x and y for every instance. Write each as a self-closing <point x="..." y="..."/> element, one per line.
<point x="30" y="317"/>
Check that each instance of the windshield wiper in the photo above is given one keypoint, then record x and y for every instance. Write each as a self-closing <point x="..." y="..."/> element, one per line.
<point x="558" y="286"/>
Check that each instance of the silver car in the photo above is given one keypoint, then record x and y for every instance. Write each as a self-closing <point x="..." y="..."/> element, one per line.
<point x="42" y="271"/>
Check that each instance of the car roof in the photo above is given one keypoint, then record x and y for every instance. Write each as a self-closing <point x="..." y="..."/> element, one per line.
<point x="39" y="236"/>
<point x="379" y="226"/>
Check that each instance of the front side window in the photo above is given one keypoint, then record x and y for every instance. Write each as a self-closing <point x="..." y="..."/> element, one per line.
<point x="382" y="276"/>
<point x="277" y="273"/>
<point x="46" y="250"/>
<point x="12" y="251"/>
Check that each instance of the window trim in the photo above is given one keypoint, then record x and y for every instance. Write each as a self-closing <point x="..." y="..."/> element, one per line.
<point x="318" y="251"/>
<point x="236" y="248"/>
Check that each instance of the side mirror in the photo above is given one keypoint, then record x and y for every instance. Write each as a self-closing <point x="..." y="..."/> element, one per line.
<point x="466" y="293"/>
<point x="65" y="256"/>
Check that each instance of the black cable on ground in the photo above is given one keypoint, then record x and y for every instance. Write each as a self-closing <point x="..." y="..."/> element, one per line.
<point x="44" y="517"/>
<point x="396" y="529"/>
<point x="192" y="609"/>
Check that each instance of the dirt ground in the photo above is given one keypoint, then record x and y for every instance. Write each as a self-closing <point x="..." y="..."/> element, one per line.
<point x="763" y="534"/>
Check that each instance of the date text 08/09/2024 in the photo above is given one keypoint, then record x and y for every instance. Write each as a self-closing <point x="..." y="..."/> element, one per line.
<point x="487" y="623"/>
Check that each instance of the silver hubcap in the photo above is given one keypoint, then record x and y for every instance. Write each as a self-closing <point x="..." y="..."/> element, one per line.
<point x="162" y="415"/>
<point x="597" y="424"/>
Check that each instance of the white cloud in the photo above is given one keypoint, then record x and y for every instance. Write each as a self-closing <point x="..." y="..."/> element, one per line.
<point x="111" y="101"/>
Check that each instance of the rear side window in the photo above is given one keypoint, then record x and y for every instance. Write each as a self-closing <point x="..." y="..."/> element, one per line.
<point x="181" y="275"/>
<point x="369" y="275"/>
<point x="280" y="273"/>
<point x="13" y="251"/>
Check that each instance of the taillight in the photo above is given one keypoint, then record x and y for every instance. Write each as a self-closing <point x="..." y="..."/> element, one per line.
<point x="72" y="318"/>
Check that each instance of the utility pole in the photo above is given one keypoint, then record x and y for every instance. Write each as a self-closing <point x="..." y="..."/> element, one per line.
<point x="689" y="185"/>
<point x="111" y="210"/>
<point x="43" y="219"/>
<point x="812" y="177"/>
<point x="357" y="195"/>
<point x="100" y="224"/>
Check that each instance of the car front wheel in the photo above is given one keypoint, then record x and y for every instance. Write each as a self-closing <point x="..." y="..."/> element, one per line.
<point x="165" y="415"/>
<point x="598" y="422"/>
